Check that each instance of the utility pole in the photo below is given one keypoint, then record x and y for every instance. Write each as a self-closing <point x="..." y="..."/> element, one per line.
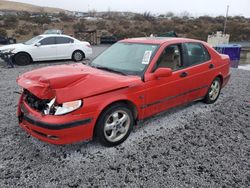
<point x="225" y="24"/>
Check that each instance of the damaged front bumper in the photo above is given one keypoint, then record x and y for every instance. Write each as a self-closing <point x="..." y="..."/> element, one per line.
<point x="63" y="129"/>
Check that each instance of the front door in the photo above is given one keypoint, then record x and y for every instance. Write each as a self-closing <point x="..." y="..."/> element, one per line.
<point x="46" y="51"/>
<point x="166" y="92"/>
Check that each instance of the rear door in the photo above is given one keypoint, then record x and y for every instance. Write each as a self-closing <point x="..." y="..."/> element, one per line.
<point x="65" y="47"/>
<point x="199" y="69"/>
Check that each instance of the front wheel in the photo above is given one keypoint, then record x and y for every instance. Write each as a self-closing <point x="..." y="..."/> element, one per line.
<point x="22" y="59"/>
<point x="114" y="125"/>
<point x="213" y="92"/>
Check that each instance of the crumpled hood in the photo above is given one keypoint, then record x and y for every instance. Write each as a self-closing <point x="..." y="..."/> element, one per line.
<point x="5" y="47"/>
<point x="72" y="82"/>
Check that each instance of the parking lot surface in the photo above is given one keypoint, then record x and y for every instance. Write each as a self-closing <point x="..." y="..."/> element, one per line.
<point x="195" y="145"/>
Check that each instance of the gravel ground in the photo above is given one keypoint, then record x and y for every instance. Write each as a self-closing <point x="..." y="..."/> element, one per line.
<point x="195" y="145"/>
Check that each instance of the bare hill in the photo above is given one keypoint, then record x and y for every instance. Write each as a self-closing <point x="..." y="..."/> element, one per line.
<point x="16" y="6"/>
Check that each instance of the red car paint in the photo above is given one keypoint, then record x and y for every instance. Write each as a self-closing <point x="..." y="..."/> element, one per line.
<point x="98" y="89"/>
<point x="48" y="82"/>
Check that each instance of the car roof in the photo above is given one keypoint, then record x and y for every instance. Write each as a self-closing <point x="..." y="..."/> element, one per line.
<point x="159" y="40"/>
<point x="55" y="35"/>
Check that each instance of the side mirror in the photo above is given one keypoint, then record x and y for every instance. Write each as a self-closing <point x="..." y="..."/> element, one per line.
<point x="163" y="72"/>
<point x="38" y="44"/>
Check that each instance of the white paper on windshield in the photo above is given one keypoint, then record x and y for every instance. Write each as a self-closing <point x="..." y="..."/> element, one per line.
<point x="146" y="57"/>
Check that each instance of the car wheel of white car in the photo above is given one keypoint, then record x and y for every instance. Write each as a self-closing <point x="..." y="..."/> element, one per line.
<point x="22" y="59"/>
<point x="78" y="56"/>
<point x="114" y="125"/>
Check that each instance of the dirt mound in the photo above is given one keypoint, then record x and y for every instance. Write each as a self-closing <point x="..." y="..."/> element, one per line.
<point x="16" y="6"/>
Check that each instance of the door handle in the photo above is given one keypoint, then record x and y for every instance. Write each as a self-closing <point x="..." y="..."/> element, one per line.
<point x="183" y="74"/>
<point x="211" y="66"/>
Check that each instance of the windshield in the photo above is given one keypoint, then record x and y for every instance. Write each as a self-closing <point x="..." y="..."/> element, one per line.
<point x="126" y="58"/>
<point x="33" y="40"/>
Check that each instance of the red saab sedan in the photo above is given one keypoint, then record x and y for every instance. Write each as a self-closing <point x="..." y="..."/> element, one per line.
<point x="132" y="80"/>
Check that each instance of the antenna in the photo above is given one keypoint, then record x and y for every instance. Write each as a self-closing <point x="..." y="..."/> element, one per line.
<point x="225" y="24"/>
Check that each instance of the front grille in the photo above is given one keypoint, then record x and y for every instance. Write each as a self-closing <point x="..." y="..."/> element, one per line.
<point x="34" y="102"/>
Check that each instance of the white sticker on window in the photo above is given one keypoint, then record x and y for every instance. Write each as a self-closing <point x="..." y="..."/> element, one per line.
<point x="146" y="57"/>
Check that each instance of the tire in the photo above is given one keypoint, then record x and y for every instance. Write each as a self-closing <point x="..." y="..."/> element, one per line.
<point x="78" y="56"/>
<point x="22" y="59"/>
<point x="213" y="91"/>
<point x="114" y="125"/>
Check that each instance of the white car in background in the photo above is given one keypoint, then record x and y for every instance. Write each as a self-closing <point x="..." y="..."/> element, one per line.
<point x="47" y="48"/>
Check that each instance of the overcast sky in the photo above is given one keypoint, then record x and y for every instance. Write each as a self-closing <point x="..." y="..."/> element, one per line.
<point x="195" y="7"/>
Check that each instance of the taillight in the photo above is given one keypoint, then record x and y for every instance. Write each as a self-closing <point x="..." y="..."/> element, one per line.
<point x="88" y="45"/>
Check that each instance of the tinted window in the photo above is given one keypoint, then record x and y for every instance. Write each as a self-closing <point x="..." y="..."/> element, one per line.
<point x="48" y="41"/>
<point x="195" y="53"/>
<point x="63" y="40"/>
<point x="170" y="58"/>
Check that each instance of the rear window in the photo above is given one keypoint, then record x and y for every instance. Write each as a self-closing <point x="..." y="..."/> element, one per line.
<point x="196" y="53"/>
<point x="64" y="40"/>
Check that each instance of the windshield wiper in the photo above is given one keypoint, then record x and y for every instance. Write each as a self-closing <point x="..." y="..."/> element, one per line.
<point x="109" y="69"/>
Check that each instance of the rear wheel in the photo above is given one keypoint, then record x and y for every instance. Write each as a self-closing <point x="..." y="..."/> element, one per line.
<point x="22" y="59"/>
<point x="114" y="125"/>
<point x="213" y="92"/>
<point x="78" y="56"/>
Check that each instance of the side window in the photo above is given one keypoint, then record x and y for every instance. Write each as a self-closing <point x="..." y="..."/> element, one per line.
<point x="170" y="58"/>
<point x="48" y="41"/>
<point x="64" y="40"/>
<point x="195" y="54"/>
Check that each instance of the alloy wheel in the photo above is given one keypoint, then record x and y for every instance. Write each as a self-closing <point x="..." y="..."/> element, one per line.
<point x="78" y="56"/>
<point x="214" y="90"/>
<point x="116" y="126"/>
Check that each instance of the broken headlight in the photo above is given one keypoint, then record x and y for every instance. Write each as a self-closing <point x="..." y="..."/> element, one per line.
<point x="8" y="50"/>
<point x="67" y="107"/>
